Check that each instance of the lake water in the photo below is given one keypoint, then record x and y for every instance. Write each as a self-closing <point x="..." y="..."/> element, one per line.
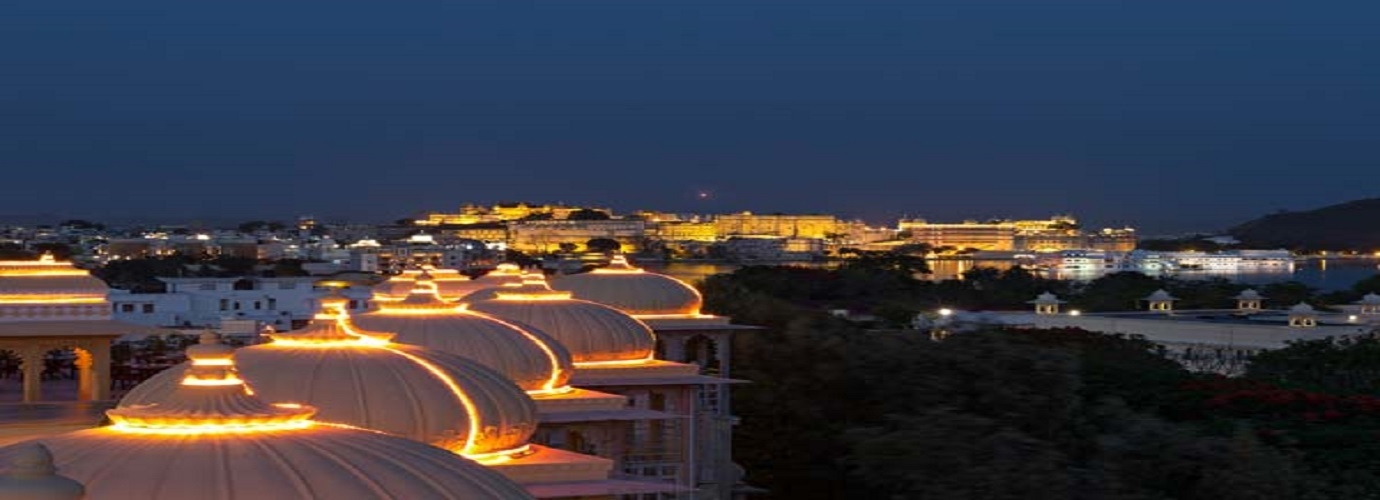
<point x="1322" y="274"/>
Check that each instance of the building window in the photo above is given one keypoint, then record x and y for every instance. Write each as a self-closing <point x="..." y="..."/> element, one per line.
<point x="257" y="305"/>
<point x="224" y="304"/>
<point x="148" y="308"/>
<point x="354" y="304"/>
<point x="126" y="308"/>
<point x="272" y="304"/>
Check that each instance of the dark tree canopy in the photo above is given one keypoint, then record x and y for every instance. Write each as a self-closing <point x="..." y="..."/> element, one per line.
<point x="588" y="214"/>
<point x="604" y="245"/>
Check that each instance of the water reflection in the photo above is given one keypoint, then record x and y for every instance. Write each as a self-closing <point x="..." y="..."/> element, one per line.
<point x="1323" y="274"/>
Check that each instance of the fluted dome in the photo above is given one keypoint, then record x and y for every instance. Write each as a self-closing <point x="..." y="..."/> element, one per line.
<point x="530" y="358"/>
<point x="360" y="378"/>
<point x="48" y="279"/>
<point x="207" y="437"/>
<point x="632" y="290"/>
<point x="592" y="332"/>
<point x="506" y="272"/>
<point x="450" y="284"/>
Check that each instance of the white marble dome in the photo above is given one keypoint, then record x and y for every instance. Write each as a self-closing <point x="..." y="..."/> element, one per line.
<point x="592" y="332"/>
<point x="450" y="284"/>
<point x="360" y="378"/>
<point x="632" y="290"/>
<point x="530" y="358"/>
<point x="208" y="438"/>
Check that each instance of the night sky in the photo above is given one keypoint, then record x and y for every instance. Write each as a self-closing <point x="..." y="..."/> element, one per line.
<point x="1168" y="115"/>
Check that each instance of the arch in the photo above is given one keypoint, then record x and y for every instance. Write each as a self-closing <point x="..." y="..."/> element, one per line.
<point x="702" y="350"/>
<point x="48" y="359"/>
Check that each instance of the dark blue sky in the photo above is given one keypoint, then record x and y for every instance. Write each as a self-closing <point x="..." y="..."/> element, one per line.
<point x="1167" y="114"/>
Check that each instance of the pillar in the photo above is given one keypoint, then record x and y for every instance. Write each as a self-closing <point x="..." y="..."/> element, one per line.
<point x="723" y="348"/>
<point x="100" y="364"/>
<point x="86" y="377"/>
<point x="33" y="374"/>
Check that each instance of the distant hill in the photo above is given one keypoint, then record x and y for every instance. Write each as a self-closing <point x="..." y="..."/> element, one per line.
<point x="1346" y="226"/>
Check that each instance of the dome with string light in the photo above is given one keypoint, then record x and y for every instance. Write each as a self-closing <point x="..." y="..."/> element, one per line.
<point x="592" y="332"/>
<point x="530" y="358"/>
<point x="361" y="378"/>
<point x="507" y="276"/>
<point x="450" y="284"/>
<point x="632" y="290"/>
<point x="209" y="437"/>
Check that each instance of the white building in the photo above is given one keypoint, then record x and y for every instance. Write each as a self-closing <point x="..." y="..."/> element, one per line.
<point x="284" y="303"/>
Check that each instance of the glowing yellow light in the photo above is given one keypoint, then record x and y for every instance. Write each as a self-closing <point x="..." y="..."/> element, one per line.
<point x="552" y="295"/>
<point x="213" y="362"/>
<point x="359" y="342"/>
<point x="51" y="299"/>
<point x="498" y="457"/>
<point x="230" y="380"/>
<point x="619" y="362"/>
<point x="415" y="311"/>
<point x="211" y="428"/>
<point x="689" y="315"/>
<point x="551" y="391"/>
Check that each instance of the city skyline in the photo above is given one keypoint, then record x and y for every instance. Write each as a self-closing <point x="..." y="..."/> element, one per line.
<point x="1168" y="117"/>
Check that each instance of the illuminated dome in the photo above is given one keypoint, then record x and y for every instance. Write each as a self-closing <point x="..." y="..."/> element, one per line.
<point x="632" y="290"/>
<point x="506" y="276"/>
<point x="592" y="332"/>
<point x="506" y="272"/>
<point x="360" y="378"/>
<point x="48" y="281"/>
<point x="528" y="357"/>
<point x="207" y="437"/>
<point x="450" y="284"/>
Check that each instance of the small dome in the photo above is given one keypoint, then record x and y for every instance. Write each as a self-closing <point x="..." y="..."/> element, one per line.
<point x="1302" y="308"/>
<point x="506" y="272"/>
<point x="530" y="358"/>
<point x="32" y="476"/>
<point x="592" y="332"/>
<point x="449" y="283"/>
<point x="506" y="276"/>
<point x="1249" y="294"/>
<point x="1046" y="298"/>
<point x="359" y="378"/>
<point x="1370" y="299"/>
<point x="47" y="278"/>
<point x="632" y="290"/>
<point x="207" y="437"/>
<point x="1160" y="295"/>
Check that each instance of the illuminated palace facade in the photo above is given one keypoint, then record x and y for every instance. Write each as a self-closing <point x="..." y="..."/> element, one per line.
<point x="1060" y="232"/>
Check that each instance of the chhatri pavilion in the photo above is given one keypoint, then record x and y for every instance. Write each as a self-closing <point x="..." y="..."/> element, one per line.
<point x="49" y="305"/>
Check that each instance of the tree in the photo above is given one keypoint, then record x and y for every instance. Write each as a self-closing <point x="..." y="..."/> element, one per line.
<point x="603" y="245"/>
<point x="60" y="251"/>
<point x="588" y="214"/>
<point x="80" y="224"/>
